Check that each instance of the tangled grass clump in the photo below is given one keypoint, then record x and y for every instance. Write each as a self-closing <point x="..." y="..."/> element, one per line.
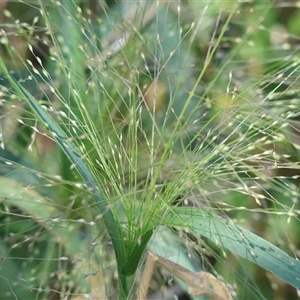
<point x="149" y="131"/>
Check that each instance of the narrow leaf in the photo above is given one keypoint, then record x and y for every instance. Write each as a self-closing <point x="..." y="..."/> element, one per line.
<point x="74" y="155"/>
<point x="14" y="194"/>
<point x="237" y="239"/>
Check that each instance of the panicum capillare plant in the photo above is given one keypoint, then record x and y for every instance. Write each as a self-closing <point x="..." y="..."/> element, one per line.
<point x="157" y="131"/>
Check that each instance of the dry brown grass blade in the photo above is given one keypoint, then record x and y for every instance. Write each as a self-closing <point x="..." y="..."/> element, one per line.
<point x="199" y="283"/>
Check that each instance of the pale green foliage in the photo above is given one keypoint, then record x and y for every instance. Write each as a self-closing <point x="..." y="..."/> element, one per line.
<point x="157" y="106"/>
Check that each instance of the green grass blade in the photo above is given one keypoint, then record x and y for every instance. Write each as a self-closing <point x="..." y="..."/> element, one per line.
<point x="237" y="239"/>
<point x="134" y="256"/>
<point x="14" y="194"/>
<point x="168" y="244"/>
<point x="33" y="204"/>
<point x="73" y="154"/>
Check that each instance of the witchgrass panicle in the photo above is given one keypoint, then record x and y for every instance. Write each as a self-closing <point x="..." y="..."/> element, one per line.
<point x="144" y="126"/>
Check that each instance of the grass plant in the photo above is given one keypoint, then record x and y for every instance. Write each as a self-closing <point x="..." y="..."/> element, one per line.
<point x="136" y="126"/>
